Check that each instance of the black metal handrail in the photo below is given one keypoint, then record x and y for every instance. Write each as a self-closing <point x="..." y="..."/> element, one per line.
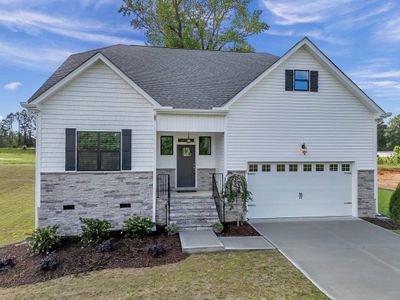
<point x="164" y="191"/>
<point x="218" y="191"/>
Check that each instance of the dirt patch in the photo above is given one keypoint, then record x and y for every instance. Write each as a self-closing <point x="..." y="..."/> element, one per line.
<point x="388" y="178"/>
<point x="385" y="223"/>
<point x="230" y="229"/>
<point x="75" y="259"/>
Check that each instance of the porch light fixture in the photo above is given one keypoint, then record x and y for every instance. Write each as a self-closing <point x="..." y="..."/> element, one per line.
<point x="188" y="140"/>
<point x="304" y="148"/>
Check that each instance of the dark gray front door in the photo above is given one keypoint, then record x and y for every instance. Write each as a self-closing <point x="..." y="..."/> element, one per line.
<point x="186" y="166"/>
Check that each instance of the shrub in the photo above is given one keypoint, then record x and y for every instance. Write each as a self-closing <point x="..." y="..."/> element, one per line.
<point x="394" y="205"/>
<point x="137" y="226"/>
<point x="172" y="229"/>
<point x="94" y="231"/>
<point x="218" y="227"/>
<point x="106" y="246"/>
<point x="44" y="239"/>
<point x="49" y="263"/>
<point x="156" y="250"/>
<point x="7" y="263"/>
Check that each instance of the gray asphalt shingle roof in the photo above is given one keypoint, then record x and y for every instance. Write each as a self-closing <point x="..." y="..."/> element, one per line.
<point x="181" y="78"/>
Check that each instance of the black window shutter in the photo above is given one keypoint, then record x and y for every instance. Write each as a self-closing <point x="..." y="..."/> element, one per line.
<point x="288" y="80"/>
<point x="313" y="81"/>
<point x="126" y="149"/>
<point x="70" y="149"/>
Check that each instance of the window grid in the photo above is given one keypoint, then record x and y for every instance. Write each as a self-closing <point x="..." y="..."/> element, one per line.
<point x="293" y="168"/>
<point x="345" y="167"/>
<point x="253" y="168"/>
<point x="280" y="167"/>
<point x="319" y="167"/>
<point x="266" y="168"/>
<point x="301" y="80"/>
<point x="333" y="167"/>
<point x="98" y="151"/>
<point x="307" y="167"/>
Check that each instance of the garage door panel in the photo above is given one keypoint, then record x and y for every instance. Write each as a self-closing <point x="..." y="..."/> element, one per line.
<point x="299" y="194"/>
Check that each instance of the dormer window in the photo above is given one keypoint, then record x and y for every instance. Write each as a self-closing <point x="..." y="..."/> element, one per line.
<point x="301" y="80"/>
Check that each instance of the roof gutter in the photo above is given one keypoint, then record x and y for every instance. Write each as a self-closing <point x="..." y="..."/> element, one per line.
<point x="183" y="111"/>
<point x="29" y="106"/>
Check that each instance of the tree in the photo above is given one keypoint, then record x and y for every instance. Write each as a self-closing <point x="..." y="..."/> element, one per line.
<point x="235" y="191"/>
<point x="392" y="133"/>
<point x="381" y="137"/>
<point x="195" y="24"/>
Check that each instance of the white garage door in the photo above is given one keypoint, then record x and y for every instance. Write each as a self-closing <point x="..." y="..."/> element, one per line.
<point x="299" y="189"/>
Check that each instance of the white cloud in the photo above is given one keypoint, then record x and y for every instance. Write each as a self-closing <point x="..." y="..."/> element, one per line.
<point x="34" y="23"/>
<point x="12" y="86"/>
<point x="32" y="56"/>
<point x="389" y="30"/>
<point x="304" y="11"/>
<point x="313" y="34"/>
<point x="99" y="3"/>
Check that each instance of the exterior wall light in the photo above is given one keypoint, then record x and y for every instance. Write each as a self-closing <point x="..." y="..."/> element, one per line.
<point x="304" y="148"/>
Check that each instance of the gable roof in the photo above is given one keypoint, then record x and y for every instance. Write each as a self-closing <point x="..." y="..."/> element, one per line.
<point x="324" y="60"/>
<point x="179" y="78"/>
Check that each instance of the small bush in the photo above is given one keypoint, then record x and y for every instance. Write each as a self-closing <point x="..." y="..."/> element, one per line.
<point x="106" y="246"/>
<point x="94" y="231"/>
<point x="7" y="263"/>
<point x="137" y="226"/>
<point x="49" y="263"/>
<point x="394" y="205"/>
<point x="44" y="239"/>
<point x="156" y="250"/>
<point x="218" y="227"/>
<point x="172" y="229"/>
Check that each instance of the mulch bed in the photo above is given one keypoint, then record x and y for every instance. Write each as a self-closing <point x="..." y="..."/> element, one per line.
<point x="75" y="259"/>
<point x="230" y="229"/>
<point x="385" y="223"/>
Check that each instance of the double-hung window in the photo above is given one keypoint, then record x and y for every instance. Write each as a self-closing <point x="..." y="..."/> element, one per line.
<point x="301" y="80"/>
<point x="99" y="151"/>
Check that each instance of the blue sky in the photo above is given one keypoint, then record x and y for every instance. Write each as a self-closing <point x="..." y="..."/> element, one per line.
<point x="361" y="36"/>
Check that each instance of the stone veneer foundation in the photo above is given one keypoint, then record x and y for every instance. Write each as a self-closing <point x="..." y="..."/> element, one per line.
<point x="366" y="196"/>
<point x="93" y="195"/>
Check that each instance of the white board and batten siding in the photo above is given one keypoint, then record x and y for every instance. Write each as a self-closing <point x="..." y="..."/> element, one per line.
<point x="270" y="124"/>
<point x="97" y="100"/>
<point x="190" y="122"/>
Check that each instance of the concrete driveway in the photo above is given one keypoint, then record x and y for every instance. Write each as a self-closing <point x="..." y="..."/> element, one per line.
<point x="347" y="258"/>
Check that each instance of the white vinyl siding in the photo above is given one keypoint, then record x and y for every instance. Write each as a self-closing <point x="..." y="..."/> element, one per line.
<point x="270" y="124"/>
<point x="96" y="100"/>
<point x="219" y="152"/>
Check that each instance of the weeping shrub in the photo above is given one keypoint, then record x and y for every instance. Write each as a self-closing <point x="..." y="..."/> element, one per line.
<point x="394" y="205"/>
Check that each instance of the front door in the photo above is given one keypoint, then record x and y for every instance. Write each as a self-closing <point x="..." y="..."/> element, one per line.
<point x="186" y="166"/>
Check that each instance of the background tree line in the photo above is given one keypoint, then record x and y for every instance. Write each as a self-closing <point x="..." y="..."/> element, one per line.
<point x="18" y="129"/>
<point x="389" y="134"/>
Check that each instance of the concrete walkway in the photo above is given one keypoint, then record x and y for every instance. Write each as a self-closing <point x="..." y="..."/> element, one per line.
<point x="207" y="241"/>
<point x="347" y="258"/>
<point x="243" y="243"/>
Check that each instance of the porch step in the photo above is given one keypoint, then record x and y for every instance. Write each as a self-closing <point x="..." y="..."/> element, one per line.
<point x="193" y="212"/>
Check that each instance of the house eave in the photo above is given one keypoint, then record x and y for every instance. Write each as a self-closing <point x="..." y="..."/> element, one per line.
<point x="184" y="111"/>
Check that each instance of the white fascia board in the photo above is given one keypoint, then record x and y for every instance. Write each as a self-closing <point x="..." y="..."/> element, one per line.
<point x="74" y="74"/>
<point x="343" y="78"/>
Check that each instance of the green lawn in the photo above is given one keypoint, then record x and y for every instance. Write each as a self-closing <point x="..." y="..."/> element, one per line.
<point x="224" y="275"/>
<point x="15" y="156"/>
<point x="16" y="194"/>
<point x="383" y="201"/>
